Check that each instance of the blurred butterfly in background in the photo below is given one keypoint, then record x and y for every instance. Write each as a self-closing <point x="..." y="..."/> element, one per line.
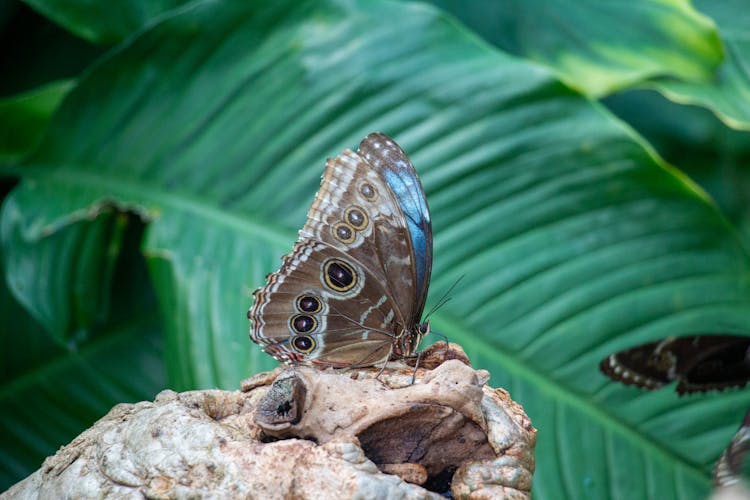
<point x="730" y="470"/>
<point x="699" y="363"/>
<point x="352" y="291"/>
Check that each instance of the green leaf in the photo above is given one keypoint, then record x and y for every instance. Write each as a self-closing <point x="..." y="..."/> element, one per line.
<point x="25" y="118"/>
<point x="74" y="266"/>
<point x="574" y="239"/>
<point x="600" y="47"/>
<point x="714" y="155"/>
<point x="55" y="400"/>
<point x="103" y="22"/>
<point x="728" y="94"/>
<point x="39" y="52"/>
<point x="32" y="348"/>
<point x="53" y="387"/>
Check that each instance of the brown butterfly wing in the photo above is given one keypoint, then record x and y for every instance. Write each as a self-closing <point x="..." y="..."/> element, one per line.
<point x="351" y="187"/>
<point x="717" y="362"/>
<point x="347" y="289"/>
<point x="698" y="363"/>
<point x="645" y="366"/>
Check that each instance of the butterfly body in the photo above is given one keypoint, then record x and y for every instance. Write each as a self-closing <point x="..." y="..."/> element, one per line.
<point x="352" y="291"/>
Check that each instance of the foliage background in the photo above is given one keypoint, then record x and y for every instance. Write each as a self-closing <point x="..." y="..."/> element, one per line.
<point x="159" y="156"/>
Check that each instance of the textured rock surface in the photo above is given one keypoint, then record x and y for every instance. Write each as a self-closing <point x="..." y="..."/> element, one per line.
<point x="304" y="433"/>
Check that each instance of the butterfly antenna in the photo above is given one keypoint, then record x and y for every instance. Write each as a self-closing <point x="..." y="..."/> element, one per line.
<point x="444" y="299"/>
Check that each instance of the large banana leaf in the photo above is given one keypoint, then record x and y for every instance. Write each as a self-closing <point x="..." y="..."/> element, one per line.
<point x="51" y="388"/>
<point x="574" y="240"/>
<point x="713" y="154"/>
<point x="728" y="95"/>
<point x="26" y="116"/>
<point x="600" y="47"/>
<point x="51" y="391"/>
<point x="692" y="54"/>
<point x="103" y="22"/>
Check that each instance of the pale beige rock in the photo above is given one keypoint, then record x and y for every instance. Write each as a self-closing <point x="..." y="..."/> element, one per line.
<point x="304" y="433"/>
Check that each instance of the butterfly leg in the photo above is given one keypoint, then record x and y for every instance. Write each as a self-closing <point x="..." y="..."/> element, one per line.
<point x="416" y="366"/>
<point x="382" y="369"/>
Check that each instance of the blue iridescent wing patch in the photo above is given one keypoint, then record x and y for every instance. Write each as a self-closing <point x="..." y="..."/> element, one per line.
<point x="388" y="157"/>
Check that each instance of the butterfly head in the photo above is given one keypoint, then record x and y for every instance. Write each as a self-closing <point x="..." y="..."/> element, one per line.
<point x="423" y="329"/>
<point x="409" y="340"/>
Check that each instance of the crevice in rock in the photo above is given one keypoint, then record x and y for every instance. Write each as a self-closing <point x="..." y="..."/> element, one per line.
<point x="438" y="439"/>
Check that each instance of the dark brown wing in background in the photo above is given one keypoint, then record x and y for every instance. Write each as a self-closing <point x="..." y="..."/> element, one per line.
<point x="699" y="363"/>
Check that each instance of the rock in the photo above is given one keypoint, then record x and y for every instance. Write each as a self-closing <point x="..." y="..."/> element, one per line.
<point x="305" y="433"/>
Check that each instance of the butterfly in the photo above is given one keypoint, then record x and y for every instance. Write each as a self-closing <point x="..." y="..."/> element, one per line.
<point x="352" y="291"/>
<point x="699" y="363"/>
<point x="731" y="465"/>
